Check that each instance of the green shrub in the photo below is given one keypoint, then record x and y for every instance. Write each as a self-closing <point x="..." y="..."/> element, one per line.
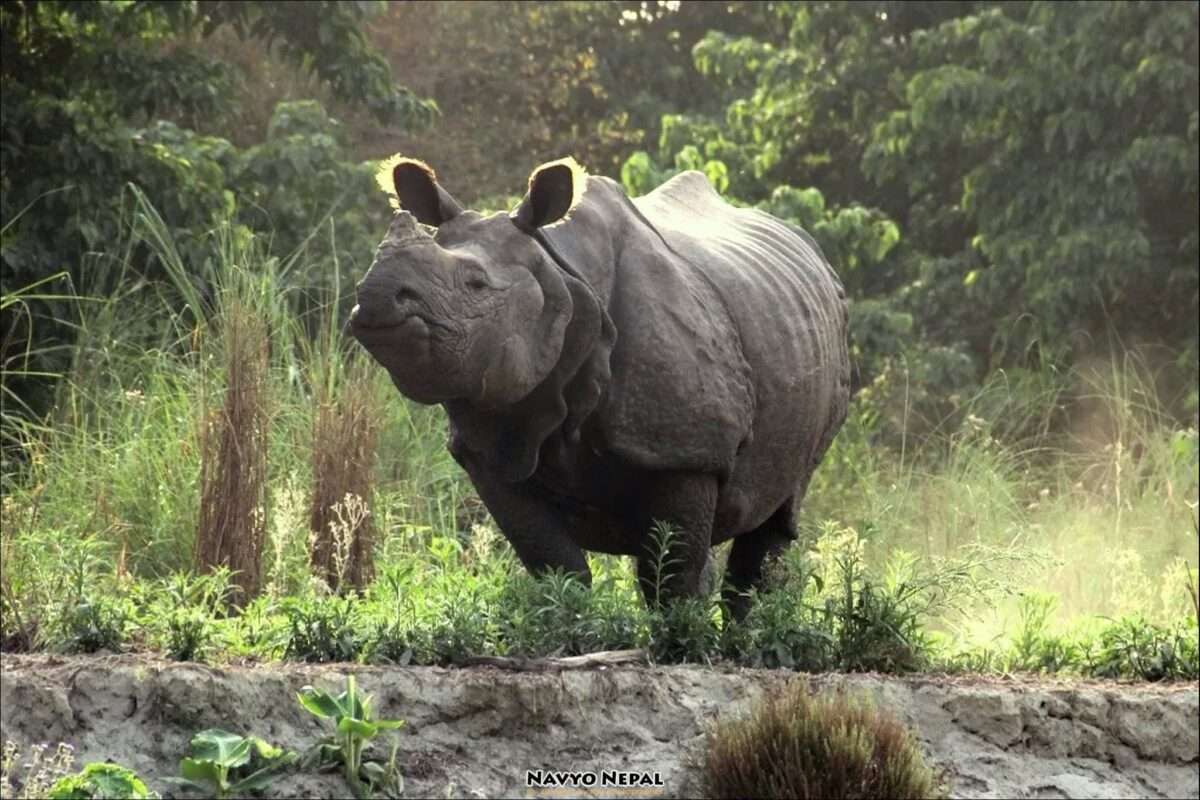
<point x="93" y="623"/>
<point x="355" y="726"/>
<point x="98" y="781"/>
<point x="778" y="634"/>
<point x="223" y="764"/>
<point x="179" y="613"/>
<point x="1131" y="647"/>
<point x="323" y="629"/>
<point x="797" y="746"/>
<point x="685" y="630"/>
<point x="556" y="614"/>
<point x="460" y="626"/>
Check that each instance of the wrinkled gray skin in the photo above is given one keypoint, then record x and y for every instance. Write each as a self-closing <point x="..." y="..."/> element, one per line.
<point x="668" y="358"/>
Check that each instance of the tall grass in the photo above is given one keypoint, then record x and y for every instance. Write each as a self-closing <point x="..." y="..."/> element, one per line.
<point x="346" y="426"/>
<point x="233" y="454"/>
<point x="1083" y="471"/>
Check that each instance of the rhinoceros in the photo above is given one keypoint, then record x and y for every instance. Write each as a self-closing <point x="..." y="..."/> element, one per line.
<point x="611" y="365"/>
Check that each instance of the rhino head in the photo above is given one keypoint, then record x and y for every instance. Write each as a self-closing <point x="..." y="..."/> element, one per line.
<point x="462" y="307"/>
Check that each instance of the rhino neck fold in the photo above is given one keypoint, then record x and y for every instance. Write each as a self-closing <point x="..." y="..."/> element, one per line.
<point x="508" y="440"/>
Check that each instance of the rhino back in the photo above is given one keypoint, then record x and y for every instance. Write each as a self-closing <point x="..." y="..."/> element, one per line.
<point x="789" y="310"/>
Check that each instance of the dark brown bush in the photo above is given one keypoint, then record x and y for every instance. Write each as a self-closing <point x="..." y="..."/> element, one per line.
<point x="346" y="426"/>
<point x="233" y="456"/>
<point x="794" y="745"/>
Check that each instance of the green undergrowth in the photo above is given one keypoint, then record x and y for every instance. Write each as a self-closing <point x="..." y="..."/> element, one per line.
<point x="448" y="602"/>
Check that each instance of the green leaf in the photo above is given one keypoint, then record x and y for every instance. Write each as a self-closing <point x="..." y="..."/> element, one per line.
<point x="72" y="787"/>
<point x="318" y="702"/>
<point x="388" y="724"/>
<point x="205" y="772"/>
<point x="373" y="771"/>
<point x="99" y="780"/>
<point x="224" y="748"/>
<point x="188" y="785"/>
<point x="357" y="727"/>
<point x="322" y="755"/>
<point x="260" y="779"/>
<point x="265" y="749"/>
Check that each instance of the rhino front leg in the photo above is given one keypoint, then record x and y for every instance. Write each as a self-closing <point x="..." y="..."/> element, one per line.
<point x="533" y="525"/>
<point x="685" y="503"/>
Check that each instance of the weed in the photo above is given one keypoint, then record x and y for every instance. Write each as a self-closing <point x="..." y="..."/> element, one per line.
<point x="346" y="424"/>
<point x="1131" y="647"/>
<point x="685" y="629"/>
<point x="777" y="633"/>
<point x="796" y="746"/>
<point x="32" y="779"/>
<point x="233" y="445"/>
<point x="286" y="523"/>
<point x="92" y="624"/>
<point x="461" y="625"/>
<point x="322" y="629"/>
<point x="873" y="629"/>
<point x="354" y="729"/>
<point x="99" y="780"/>
<point x="260" y="631"/>
<point x="348" y="545"/>
<point x="555" y="614"/>
<point x="662" y="565"/>
<point x="180" y="612"/>
<point x="392" y="642"/>
<point x="223" y="764"/>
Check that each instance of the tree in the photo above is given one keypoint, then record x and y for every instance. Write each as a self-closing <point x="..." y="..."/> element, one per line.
<point x="1074" y="161"/>
<point x="545" y="79"/>
<point x="1040" y="160"/>
<point x="98" y="95"/>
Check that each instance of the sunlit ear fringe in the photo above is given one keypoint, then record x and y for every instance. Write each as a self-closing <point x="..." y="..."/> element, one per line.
<point x="578" y="180"/>
<point x="383" y="176"/>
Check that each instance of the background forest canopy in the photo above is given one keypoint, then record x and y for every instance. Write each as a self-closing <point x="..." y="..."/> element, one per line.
<point x="999" y="185"/>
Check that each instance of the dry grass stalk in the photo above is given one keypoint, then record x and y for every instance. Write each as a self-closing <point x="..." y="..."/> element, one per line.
<point x="1193" y="586"/>
<point x="32" y="776"/>
<point x="233" y="459"/>
<point x="345" y="432"/>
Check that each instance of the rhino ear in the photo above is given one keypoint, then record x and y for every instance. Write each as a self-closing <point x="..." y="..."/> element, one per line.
<point x="417" y="191"/>
<point x="554" y="189"/>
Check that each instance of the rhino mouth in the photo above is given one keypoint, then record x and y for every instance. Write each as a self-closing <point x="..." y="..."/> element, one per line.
<point x="412" y="322"/>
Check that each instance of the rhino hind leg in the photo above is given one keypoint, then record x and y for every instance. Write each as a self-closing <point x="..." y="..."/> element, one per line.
<point x="750" y="554"/>
<point x="681" y="566"/>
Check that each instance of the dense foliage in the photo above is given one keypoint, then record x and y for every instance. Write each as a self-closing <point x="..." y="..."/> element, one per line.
<point x="100" y="95"/>
<point x="1039" y="161"/>
<point x="1009" y="192"/>
<point x="999" y="184"/>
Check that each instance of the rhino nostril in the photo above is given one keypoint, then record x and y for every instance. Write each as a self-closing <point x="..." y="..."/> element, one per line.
<point x="406" y="295"/>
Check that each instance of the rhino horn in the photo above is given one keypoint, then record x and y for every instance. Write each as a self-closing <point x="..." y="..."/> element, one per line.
<point x="405" y="230"/>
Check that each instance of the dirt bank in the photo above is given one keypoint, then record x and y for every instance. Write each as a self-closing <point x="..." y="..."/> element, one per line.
<point x="475" y="732"/>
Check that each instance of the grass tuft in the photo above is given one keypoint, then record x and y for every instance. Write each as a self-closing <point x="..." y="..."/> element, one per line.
<point x="798" y="746"/>
<point x="233" y="456"/>
<point x="346" y="425"/>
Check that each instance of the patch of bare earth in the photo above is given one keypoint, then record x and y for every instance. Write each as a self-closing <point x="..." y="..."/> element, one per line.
<point x="475" y="732"/>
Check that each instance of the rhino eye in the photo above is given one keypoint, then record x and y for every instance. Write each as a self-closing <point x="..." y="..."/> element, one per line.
<point x="476" y="283"/>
